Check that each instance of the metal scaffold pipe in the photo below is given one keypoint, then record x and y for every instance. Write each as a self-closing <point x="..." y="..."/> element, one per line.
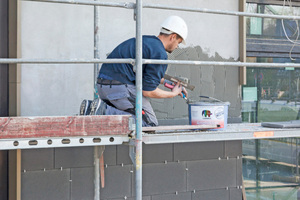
<point x="96" y="68"/>
<point x="148" y="61"/>
<point x="139" y="94"/>
<point x="96" y="173"/>
<point x="224" y="64"/>
<point x="90" y="3"/>
<point x="130" y="5"/>
<point x="63" y="61"/>
<point x="222" y="12"/>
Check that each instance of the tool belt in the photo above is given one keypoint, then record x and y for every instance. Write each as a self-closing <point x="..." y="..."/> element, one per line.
<point x="102" y="81"/>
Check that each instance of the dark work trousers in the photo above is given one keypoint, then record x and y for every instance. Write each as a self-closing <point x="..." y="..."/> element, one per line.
<point x="123" y="98"/>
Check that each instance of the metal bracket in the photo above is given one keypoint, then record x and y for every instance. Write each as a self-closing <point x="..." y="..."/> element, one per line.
<point x="131" y="124"/>
<point x="130" y="5"/>
<point x="134" y="13"/>
<point x="132" y="153"/>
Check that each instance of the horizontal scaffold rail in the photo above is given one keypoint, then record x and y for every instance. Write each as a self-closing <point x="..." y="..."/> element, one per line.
<point x="221" y="12"/>
<point x="147" y="61"/>
<point x="63" y="61"/>
<point x="130" y="5"/>
<point x="216" y="63"/>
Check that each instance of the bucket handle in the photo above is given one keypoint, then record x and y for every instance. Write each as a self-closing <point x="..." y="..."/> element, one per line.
<point x="210" y="98"/>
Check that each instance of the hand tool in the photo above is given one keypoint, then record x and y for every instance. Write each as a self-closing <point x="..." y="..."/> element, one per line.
<point x="171" y="81"/>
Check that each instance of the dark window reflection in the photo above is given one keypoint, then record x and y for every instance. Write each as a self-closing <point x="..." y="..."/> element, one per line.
<point x="271" y="167"/>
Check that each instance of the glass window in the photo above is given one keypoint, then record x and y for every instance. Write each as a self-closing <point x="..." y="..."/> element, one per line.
<point x="272" y="28"/>
<point x="271" y="167"/>
<point x="277" y="93"/>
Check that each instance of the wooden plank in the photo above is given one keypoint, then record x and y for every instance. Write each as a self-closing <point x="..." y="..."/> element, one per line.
<point x="181" y="127"/>
<point x="63" y="126"/>
<point x="242" y="43"/>
<point x="14" y="174"/>
<point x="102" y="174"/>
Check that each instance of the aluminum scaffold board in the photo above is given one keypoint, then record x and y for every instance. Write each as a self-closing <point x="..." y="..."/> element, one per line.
<point x="243" y="131"/>
<point x="35" y="143"/>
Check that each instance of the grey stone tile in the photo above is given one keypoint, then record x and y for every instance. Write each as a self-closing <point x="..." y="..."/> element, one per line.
<point x="233" y="148"/>
<point x="123" y="155"/>
<point x="211" y="174"/>
<point x="46" y="185"/>
<point x="239" y="172"/>
<point x="220" y="194"/>
<point x="235" y="194"/>
<point x="118" y="182"/>
<point x="37" y="159"/>
<point x="82" y="183"/>
<point x="198" y="151"/>
<point x="163" y="178"/>
<point x="179" y="196"/>
<point x="110" y="155"/>
<point x="74" y="157"/>
<point x="157" y="153"/>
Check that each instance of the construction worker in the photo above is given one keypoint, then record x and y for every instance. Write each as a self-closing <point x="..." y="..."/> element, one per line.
<point x="116" y="82"/>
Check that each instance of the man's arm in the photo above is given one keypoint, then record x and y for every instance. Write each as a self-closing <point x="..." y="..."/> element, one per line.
<point x="159" y="93"/>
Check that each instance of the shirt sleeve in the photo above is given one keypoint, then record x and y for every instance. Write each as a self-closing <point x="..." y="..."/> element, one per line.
<point x="153" y="73"/>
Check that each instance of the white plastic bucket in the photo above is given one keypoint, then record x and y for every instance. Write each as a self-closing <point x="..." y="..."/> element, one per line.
<point x="209" y="113"/>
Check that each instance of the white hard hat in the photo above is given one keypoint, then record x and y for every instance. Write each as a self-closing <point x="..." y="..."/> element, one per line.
<point x="175" y="24"/>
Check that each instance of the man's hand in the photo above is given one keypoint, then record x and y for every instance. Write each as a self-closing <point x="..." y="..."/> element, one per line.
<point x="178" y="89"/>
<point x="184" y="92"/>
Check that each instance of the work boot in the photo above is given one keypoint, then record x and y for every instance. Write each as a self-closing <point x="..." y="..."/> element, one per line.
<point x="85" y="107"/>
<point x="98" y="107"/>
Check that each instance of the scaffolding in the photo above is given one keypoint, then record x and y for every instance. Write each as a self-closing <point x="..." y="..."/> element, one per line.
<point x="138" y="138"/>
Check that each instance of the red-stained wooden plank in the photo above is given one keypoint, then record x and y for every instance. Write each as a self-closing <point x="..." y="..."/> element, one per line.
<point x="63" y="126"/>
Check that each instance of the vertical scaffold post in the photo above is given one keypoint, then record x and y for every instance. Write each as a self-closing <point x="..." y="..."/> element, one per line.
<point x="96" y="43"/>
<point x="96" y="68"/>
<point x="96" y="173"/>
<point x="138" y="112"/>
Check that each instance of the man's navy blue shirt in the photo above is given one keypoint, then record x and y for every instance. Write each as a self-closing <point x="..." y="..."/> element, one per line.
<point x="152" y="73"/>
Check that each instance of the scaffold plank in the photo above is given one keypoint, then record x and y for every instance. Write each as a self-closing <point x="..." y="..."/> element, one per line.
<point x="243" y="131"/>
<point x="63" y="126"/>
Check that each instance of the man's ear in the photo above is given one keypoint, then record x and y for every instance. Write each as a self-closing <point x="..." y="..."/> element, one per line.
<point x="173" y="37"/>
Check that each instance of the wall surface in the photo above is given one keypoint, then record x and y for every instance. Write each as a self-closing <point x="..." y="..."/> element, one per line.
<point x="55" y="31"/>
<point x="185" y="171"/>
<point x="66" y="31"/>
